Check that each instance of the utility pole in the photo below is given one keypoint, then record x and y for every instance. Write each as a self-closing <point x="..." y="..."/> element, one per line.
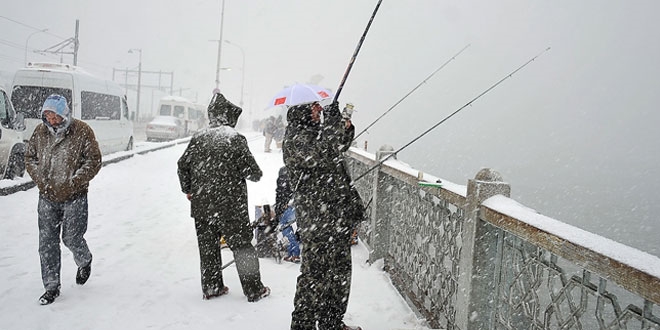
<point x="139" y="82"/>
<point x="76" y="44"/>
<point x="59" y="48"/>
<point x="217" y="69"/>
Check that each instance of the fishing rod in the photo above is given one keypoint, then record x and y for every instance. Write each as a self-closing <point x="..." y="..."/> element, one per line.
<point x="413" y="90"/>
<point x="357" y="49"/>
<point x="231" y="262"/>
<point x="452" y="114"/>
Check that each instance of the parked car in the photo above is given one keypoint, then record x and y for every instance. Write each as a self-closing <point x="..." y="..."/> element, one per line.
<point x="164" y="128"/>
<point x="12" y="148"/>
<point x="193" y="115"/>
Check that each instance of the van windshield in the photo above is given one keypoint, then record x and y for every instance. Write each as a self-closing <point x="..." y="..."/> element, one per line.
<point x="29" y="99"/>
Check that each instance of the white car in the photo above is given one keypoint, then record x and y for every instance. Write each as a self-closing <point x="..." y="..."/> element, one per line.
<point x="164" y="128"/>
<point x="12" y="147"/>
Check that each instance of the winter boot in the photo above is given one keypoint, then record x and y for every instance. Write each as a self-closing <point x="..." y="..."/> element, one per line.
<point x="294" y="259"/>
<point x="215" y="293"/>
<point x="348" y="327"/>
<point x="265" y="292"/>
<point x="49" y="296"/>
<point x="83" y="274"/>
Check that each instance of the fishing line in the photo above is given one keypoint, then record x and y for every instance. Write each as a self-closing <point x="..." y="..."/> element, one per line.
<point x="414" y="89"/>
<point x="452" y="114"/>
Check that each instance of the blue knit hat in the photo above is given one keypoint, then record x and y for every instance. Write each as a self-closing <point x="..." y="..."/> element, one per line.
<point x="57" y="104"/>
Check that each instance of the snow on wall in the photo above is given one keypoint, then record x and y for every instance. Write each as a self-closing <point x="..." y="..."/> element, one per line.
<point x="420" y="233"/>
<point x="622" y="253"/>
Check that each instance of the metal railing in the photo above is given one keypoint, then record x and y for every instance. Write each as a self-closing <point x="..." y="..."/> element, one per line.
<point x="472" y="258"/>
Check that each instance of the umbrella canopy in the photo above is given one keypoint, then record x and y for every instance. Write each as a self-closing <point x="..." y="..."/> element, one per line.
<point x="300" y="94"/>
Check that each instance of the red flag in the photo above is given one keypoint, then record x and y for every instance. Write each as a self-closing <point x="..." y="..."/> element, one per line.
<point x="280" y="100"/>
<point x="323" y="94"/>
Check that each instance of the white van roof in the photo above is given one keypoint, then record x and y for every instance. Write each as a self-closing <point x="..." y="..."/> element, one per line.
<point x="55" y="67"/>
<point x="61" y="75"/>
<point x="174" y="98"/>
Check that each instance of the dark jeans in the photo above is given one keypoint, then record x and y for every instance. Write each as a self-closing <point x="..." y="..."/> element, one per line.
<point x="70" y="220"/>
<point x="294" y="247"/>
<point x="239" y="240"/>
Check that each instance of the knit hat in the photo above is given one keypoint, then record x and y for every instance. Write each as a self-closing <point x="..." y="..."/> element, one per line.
<point x="57" y="104"/>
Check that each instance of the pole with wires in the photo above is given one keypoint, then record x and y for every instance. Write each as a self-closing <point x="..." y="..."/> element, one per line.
<point x="451" y="115"/>
<point x="355" y="53"/>
<point x="412" y="91"/>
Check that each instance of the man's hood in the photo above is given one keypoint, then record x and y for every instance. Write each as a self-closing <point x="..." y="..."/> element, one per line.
<point x="222" y="112"/>
<point x="300" y="116"/>
<point x="58" y="105"/>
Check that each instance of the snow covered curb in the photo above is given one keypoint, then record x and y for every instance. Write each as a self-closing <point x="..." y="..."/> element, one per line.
<point x="8" y="187"/>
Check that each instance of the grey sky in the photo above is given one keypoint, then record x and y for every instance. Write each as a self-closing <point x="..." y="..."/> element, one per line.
<point x="575" y="132"/>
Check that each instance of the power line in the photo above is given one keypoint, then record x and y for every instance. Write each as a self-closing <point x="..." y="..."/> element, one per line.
<point x="11" y="44"/>
<point x="11" y="58"/>
<point x="31" y="27"/>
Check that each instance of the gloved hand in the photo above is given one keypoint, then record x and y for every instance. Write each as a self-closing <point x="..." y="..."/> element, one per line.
<point x="347" y="113"/>
<point x="333" y="109"/>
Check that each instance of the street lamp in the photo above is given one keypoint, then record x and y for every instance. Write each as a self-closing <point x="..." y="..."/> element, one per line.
<point x="242" y="69"/>
<point x="137" y="106"/>
<point x="28" y="39"/>
<point x="217" y="68"/>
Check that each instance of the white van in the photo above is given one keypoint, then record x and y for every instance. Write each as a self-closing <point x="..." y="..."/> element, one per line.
<point x="100" y="103"/>
<point x="12" y="148"/>
<point x="193" y="115"/>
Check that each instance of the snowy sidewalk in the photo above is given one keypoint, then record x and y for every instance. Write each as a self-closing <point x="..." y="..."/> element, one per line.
<point x="145" y="273"/>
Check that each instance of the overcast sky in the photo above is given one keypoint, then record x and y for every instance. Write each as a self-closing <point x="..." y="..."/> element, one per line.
<point x="575" y="132"/>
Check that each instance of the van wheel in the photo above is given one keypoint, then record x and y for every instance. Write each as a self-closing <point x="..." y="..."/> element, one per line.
<point x="129" y="146"/>
<point x="16" y="163"/>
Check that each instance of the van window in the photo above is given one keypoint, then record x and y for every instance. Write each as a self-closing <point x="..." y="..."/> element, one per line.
<point x="179" y="110"/>
<point x="165" y="110"/>
<point x="96" y="105"/>
<point x="192" y="114"/>
<point x="30" y="99"/>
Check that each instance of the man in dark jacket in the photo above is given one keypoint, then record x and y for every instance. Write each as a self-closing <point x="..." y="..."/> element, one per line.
<point x="62" y="156"/>
<point x="327" y="209"/>
<point x="212" y="173"/>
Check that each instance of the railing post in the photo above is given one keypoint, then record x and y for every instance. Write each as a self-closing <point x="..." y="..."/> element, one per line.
<point x="476" y="282"/>
<point x="379" y="236"/>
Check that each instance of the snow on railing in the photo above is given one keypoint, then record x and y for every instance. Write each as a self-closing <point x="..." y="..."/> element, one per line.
<point x="469" y="257"/>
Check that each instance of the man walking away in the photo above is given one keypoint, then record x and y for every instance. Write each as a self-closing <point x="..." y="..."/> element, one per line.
<point x="62" y="156"/>
<point x="212" y="173"/>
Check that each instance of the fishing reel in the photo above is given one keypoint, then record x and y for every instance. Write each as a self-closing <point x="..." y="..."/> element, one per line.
<point x="347" y="113"/>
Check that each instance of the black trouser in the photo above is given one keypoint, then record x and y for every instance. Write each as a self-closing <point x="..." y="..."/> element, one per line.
<point x="239" y="240"/>
<point x="325" y="281"/>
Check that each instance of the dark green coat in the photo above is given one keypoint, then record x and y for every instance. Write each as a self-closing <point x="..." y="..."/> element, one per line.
<point x="314" y="159"/>
<point x="215" y="165"/>
<point x="327" y="210"/>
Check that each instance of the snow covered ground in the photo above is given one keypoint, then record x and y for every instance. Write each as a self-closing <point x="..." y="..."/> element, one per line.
<point x="145" y="273"/>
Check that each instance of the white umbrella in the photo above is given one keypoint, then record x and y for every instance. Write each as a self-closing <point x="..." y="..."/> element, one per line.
<point x="300" y="94"/>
